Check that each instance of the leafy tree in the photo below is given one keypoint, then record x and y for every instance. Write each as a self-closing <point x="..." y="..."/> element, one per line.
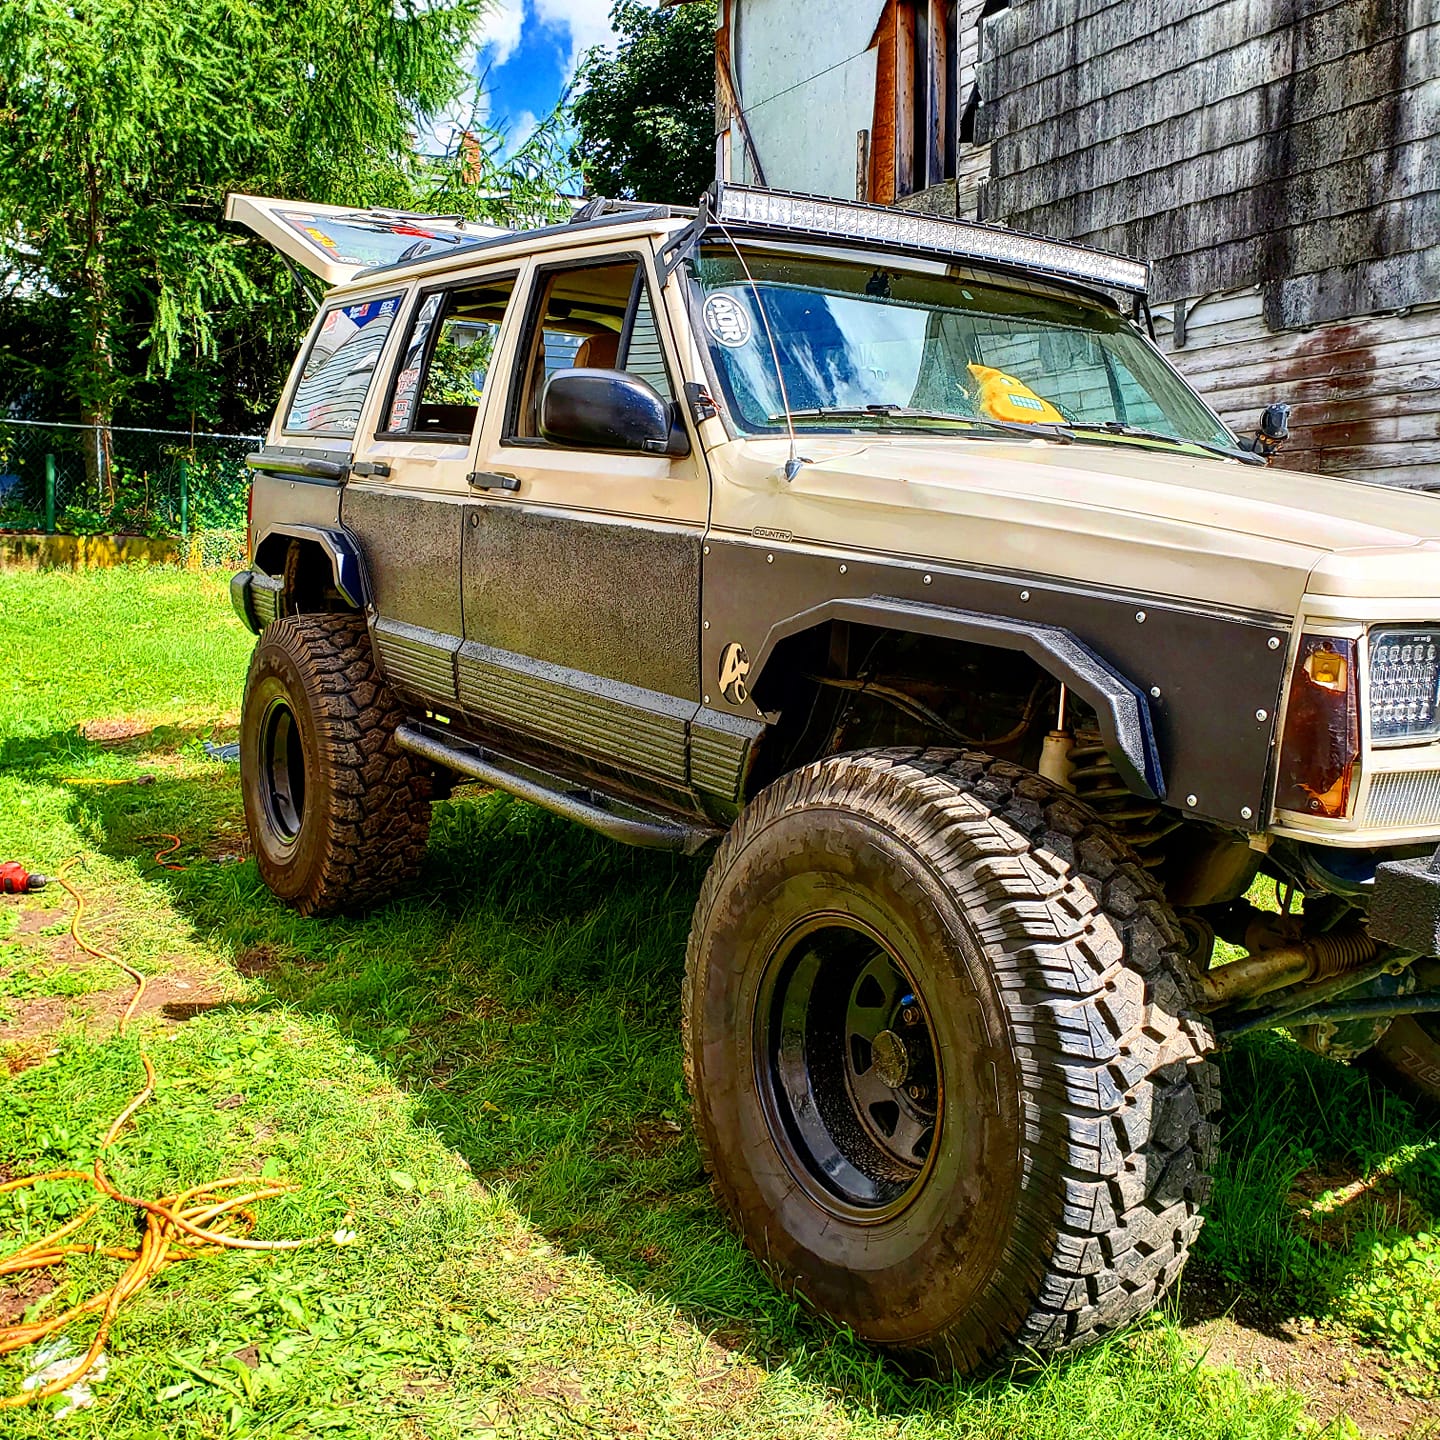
<point x="124" y="122"/>
<point x="646" y="111"/>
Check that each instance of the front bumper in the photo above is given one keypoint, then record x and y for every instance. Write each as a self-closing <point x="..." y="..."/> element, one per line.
<point x="1405" y="905"/>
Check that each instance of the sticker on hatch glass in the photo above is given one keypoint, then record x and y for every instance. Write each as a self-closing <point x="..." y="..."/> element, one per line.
<point x="367" y="240"/>
<point x="726" y="320"/>
<point x="336" y="375"/>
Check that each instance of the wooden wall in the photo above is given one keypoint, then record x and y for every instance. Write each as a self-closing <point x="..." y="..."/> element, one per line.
<point x="1290" y="143"/>
<point x="1366" y="391"/>
<point x="1279" y="163"/>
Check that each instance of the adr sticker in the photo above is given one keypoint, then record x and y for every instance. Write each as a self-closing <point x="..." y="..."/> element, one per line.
<point x="726" y="320"/>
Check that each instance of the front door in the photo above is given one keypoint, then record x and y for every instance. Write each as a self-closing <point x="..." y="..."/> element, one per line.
<point x="582" y="568"/>
<point x="408" y="497"/>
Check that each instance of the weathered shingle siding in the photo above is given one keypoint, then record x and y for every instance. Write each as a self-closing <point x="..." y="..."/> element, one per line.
<point x="1293" y="144"/>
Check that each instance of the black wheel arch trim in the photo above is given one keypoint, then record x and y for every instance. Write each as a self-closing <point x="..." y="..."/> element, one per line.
<point x="1122" y="707"/>
<point x="347" y="564"/>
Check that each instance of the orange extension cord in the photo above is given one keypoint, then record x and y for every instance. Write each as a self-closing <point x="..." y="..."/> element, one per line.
<point x="198" y="1221"/>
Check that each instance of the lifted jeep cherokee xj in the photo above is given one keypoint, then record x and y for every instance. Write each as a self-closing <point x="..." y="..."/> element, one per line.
<point x="890" y="554"/>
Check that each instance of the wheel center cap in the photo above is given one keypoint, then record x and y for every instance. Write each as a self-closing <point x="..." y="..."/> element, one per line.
<point x="888" y="1055"/>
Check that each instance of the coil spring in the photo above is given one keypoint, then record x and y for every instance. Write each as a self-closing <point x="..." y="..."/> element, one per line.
<point x="1141" y="823"/>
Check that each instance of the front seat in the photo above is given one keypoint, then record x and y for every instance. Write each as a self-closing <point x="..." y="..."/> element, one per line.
<point x="598" y="352"/>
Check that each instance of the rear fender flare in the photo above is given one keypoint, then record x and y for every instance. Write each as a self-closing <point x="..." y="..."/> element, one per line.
<point x="347" y="565"/>
<point x="1126" y="725"/>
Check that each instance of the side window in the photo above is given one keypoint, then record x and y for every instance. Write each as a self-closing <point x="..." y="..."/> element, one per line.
<point x="441" y="377"/>
<point x="337" y="372"/>
<point x="596" y="317"/>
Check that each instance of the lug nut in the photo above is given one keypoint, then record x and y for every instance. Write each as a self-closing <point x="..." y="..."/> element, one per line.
<point x="910" y="1015"/>
<point x="916" y="1092"/>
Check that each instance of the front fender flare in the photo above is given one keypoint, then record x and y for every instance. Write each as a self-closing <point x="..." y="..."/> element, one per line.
<point x="1126" y="725"/>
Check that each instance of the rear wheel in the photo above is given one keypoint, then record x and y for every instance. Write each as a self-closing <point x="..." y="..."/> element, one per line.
<point x="943" y="1070"/>
<point x="338" y="814"/>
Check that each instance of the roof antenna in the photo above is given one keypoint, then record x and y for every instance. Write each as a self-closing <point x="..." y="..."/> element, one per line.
<point x="793" y="464"/>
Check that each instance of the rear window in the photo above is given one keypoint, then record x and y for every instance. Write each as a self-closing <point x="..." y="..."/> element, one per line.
<point x="336" y="376"/>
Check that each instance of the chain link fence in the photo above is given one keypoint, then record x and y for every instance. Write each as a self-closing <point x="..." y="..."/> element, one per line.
<point x="162" y="483"/>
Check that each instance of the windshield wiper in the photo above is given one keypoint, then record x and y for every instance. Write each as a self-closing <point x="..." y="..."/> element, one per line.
<point x="1135" y="432"/>
<point x="1041" y="430"/>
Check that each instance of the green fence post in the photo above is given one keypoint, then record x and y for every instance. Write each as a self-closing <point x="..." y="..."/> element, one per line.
<point x="49" y="494"/>
<point x="185" y="500"/>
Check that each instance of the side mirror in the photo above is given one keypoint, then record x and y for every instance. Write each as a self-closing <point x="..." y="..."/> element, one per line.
<point x="1274" y="431"/>
<point x="609" y="410"/>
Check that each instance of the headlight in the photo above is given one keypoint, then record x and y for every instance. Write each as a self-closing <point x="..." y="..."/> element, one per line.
<point x="1404" y="695"/>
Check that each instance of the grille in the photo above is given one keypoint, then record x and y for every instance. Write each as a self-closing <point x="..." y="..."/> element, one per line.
<point x="1403" y="798"/>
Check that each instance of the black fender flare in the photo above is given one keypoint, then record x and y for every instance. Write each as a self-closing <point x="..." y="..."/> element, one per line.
<point x="347" y="564"/>
<point x="1126" y="725"/>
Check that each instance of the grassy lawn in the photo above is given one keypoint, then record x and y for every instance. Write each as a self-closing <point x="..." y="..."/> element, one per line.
<point x="477" y="1090"/>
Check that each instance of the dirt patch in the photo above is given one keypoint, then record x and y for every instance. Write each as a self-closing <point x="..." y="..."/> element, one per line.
<point x="16" y="1299"/>
<point x="114" y="732"/>
<point x="32" y="1019"/>
<point x="258" y="960"/>
<point x="176" y="997"/>
<point x="25" y="1055"/>
<point x="555" y="1386"/>
<point x="1335" y="1376"/>
<point x="1335" y="1205"/>
<point x="654" y="1136"/>
<point x="184" y="992"/>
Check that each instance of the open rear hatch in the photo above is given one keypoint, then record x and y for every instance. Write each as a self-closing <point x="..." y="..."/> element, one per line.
<point x="336" y="243"/>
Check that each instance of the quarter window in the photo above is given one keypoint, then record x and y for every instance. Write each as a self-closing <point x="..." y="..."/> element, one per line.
<point x="441" y="377"/>
<point x="335" y="378"/>
<point x="597" y="317"/>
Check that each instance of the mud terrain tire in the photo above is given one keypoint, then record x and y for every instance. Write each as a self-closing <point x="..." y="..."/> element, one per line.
<point x="338" y="814"/>
<point x="1045" y="1026"/>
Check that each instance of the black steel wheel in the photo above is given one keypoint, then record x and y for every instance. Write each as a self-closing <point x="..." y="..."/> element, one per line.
<point x="944" y="1072"/>
<point x="850" y="1075"/>
<point x="281" y="778"/>
<point x="338" y="814"/>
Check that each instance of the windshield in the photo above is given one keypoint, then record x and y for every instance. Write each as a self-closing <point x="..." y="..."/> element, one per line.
<point x="935" y="349"/>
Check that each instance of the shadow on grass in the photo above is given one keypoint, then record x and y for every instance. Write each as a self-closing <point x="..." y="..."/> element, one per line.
<point x="527" y="993"/>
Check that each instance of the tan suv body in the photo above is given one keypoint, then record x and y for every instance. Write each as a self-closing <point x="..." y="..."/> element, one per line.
<point x="650" y="511"/>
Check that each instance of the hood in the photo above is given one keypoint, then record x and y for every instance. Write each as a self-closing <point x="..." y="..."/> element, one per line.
<point x="1115" y="515"/>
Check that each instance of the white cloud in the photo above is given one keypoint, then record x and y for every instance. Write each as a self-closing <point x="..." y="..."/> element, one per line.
<point x="587" y="22"/>
<point x="500" y="29"/>
<point x="519" y="130"/>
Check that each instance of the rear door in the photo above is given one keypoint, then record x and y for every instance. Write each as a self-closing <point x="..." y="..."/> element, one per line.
<point x="408" y="494"/>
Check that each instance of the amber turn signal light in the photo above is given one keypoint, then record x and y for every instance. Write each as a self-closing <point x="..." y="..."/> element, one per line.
<point x="1320" y="752"/>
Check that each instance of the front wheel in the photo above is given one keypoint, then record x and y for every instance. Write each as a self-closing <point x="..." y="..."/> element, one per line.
<point x="337" y="812"/>
<point x="943" y="1070"/>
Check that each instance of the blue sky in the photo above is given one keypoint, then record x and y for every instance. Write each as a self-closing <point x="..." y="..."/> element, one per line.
<point x="530" y="49"/>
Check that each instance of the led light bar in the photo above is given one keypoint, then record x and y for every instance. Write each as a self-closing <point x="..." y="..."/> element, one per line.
<point x="909" y="230"/>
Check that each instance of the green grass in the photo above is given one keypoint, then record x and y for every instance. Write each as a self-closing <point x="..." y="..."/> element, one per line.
<point x="482" y="1082"/>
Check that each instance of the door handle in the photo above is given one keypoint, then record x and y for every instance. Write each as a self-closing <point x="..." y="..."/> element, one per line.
<point x="493" y="480"/>
<point x="370" y="467"/>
